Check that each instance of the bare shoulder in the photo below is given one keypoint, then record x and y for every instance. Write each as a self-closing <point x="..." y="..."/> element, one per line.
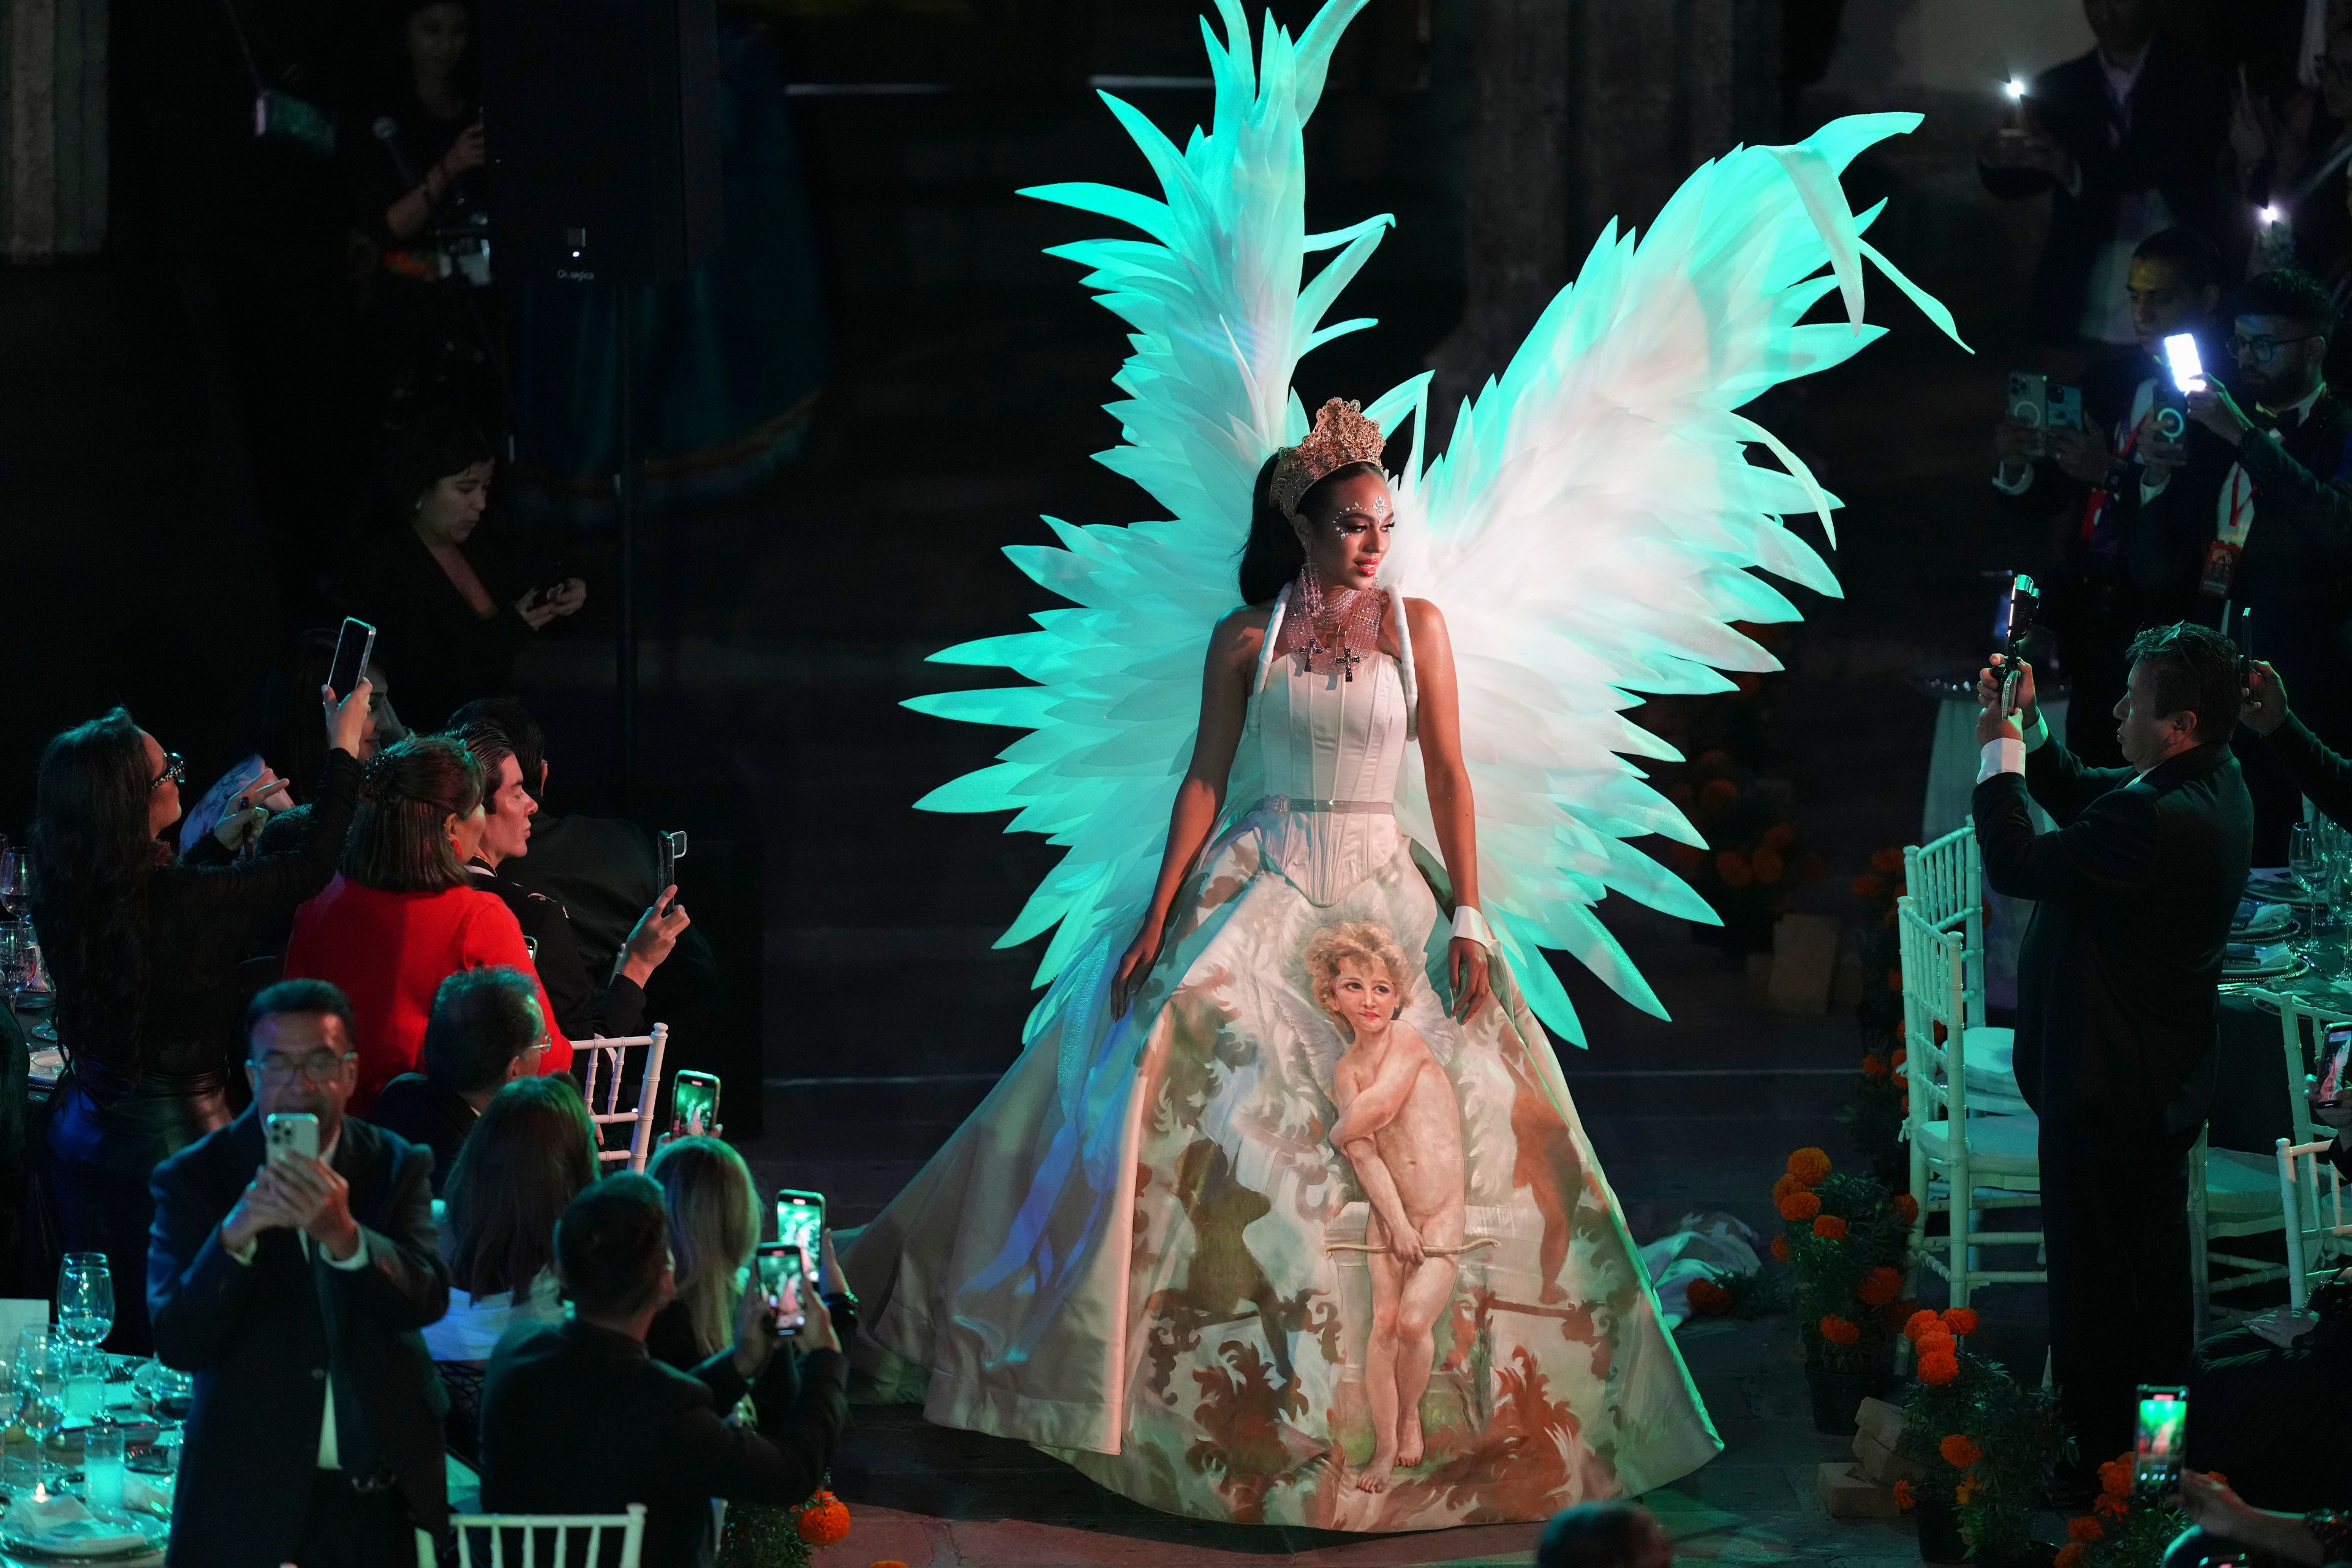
<point x="1241" y="634"/>
<point x="1426" y="618"/>
<point x="1409" y="1036"/>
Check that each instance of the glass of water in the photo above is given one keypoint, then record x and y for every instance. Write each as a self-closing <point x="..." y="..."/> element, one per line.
<point x="85" y="1298"/>
<point x="101" y="1467"/>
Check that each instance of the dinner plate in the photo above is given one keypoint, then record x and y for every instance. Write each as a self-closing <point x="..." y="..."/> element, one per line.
<point x="2288" y="971"/>
<point x="153" y="1533"/>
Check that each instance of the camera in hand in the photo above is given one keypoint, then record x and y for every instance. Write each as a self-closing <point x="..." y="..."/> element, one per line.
<point x="2041" y="407"/>
<point x="2161" y="1443"/>
<point x="2013" y="625"/>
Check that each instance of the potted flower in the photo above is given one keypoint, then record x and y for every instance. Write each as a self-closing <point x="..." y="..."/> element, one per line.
<point x="2122" y="1530"/>
<point x="1985" y="1444"/>
<point x="1846" y="1239"/>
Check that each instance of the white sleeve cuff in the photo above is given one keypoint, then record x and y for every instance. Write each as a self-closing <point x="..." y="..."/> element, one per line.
<point x="356" y="1261"/>
<point x="2025" y="482"/>
<point x="2001" y="755"/>
<point x="2036" y="736"/>
<point x="2152" y="483"/>
<point x="1470" y="925"/>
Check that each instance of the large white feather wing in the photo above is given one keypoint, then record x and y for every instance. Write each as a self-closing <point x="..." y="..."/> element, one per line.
<point x="1220" y="321"/>
<point x="1594" y="530"/>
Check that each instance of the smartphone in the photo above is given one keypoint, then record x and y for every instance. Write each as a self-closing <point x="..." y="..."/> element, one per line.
<point x="694" y="1100"/>
<point x="2066" y="408"/>
<point x="2162" y="1441"/>
<point x="2028" y="403"/>
<point x="2188" y="366"/>
<point x="2335" y="1048"/>
<point x="291" y="1132"/>
<point x="352" y="647"/>
<point x="671" y="848"/>
<point x="2171" y="411"/>
<point x="800" y="1219"/>
<point x="2012" y="623"/>
<point x="784" y="1275"/>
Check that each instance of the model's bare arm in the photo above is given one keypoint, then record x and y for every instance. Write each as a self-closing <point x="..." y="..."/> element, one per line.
<point x="1224" y="705"/>
<point x="1451" y="808"/>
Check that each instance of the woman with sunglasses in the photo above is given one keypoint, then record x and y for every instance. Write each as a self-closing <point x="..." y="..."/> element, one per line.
<point x="144" y="953"/>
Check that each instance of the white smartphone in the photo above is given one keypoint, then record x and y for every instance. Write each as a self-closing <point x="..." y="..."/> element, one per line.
<point x="2188" y="367"/>
<point x="291" y="1132"/>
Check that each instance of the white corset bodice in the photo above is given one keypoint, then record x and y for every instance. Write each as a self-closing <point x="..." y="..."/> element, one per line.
<point x="1326" y="741"/>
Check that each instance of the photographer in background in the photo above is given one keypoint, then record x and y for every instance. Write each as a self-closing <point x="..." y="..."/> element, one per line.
<point x="2324" y="776"/>
<point x="2119" y="566"/>
<point x="2117" y="995"/>
<point x="2127" y="140"/>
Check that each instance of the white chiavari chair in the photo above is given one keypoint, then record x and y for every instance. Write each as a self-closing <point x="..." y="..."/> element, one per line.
<point x="606" y="1081"/>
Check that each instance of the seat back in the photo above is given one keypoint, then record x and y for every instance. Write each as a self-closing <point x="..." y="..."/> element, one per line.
<point x="2317" y="1238"/>
<point x="2303" y="1034"/>
<point x="550" y="1539"/>
<point x="1935" y="1007"/>
<point x="1946" y="882"/>
<point x="606" y="1081"/>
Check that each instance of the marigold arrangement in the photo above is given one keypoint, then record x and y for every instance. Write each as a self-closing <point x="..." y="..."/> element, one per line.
<point x="1755" y="857"/>
<point x="1848" y="1250"/>
<point x="780" y="1537"/>
<point x="2122" y="1530"/>
<point x="1985" y="1444"/>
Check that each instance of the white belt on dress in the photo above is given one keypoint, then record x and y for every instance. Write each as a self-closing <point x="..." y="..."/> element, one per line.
<point x="1336" y="808"/>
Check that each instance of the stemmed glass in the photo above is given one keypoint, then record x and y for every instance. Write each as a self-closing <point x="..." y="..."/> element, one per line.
<point x="85" y="1300"/>
<point x="15" y="883"/>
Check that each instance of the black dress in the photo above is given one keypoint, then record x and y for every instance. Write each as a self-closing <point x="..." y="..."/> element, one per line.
<point x="125" y="1106"/>
<point x="438" y="654"/>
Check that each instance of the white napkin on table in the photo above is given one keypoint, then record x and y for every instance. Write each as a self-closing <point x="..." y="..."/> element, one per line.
<point x="2256" y="918"/>
<point x="2250" y="956"/>
<point x="62" y="1523"/>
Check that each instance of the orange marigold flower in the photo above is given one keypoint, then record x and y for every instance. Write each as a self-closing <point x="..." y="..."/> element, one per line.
<point x="2109" y="1504"/>
<point x="1889" y="860"/>
<point x="1767" y="865"/>
<point x="1903" y="1498"/>
<point x="825" y="1520"/>
<point x="1731" y="866"/>
<point x="1907" y="1208"/>
<point x="1880" y="1286"/>
<point x="1809" y="1166"/>
<point x="2070" y="1555"/>
<point x="1894" y="981"/>
<point x="2084" y="1527"/>
<point x="1718" y="793"/>
<point x="1923" y="1322"/>
<point x="1868" y="886"/>
<point x="1829" y="1227"/>
<point x="1939" y="1368"/>
<point x="1800" y="1205"/>
<point x="2217" y="1478"/>
<point x="1962" y="1321"/>
<point x="1939" y="1342"/>
<point x="1900" y="1057"/>
<point x="1781" y="1250"/>
<point x="1874" y="1065"/>
<point x="1840" y="1331"/>
<point x="1785" y="1185"/>
<point x="1958" y="1451"/>
<point x="1779" y="836"/>
<point x="2115" y="1477"/>
<point x="1965" y="1492"/>
<point x="1707" y="1299"/>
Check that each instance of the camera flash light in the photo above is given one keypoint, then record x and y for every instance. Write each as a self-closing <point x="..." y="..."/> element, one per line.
<point x="2187" y="369"/>
<point x="2014" y="87"/>
<point x="2270" y="215"/>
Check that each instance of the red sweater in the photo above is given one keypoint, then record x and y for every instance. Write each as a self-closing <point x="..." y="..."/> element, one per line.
<point x="390" y="951"/>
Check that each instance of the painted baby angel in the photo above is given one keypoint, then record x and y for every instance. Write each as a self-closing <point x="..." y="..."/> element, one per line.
<point x="1400" y="1127"/>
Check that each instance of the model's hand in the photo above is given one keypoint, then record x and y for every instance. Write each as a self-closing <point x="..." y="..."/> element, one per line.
<point x="1989" y="685"/>
<point x="1405" y="1246"/>
<point x="347" y="719"/>
<point x="2264" y="707"/>
<point x="2081" y="455"/>
<point x="2212" y="407"/>
<point x="657" y="933"/>
<point x="1134" y="967"/>
<point x="1465" y="966"/>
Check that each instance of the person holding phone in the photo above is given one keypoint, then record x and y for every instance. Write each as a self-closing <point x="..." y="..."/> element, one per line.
<point x="295" y="1287"/>
<point x="662" y="1438"/>
<point x="145" y="949"/>
<point x="2324" y="776"/>
<point x="2225" y="1528"/>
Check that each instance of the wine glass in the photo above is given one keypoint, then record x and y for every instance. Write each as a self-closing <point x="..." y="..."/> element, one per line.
<point x="15" y="882"/>
<point x="85" y="1298"/>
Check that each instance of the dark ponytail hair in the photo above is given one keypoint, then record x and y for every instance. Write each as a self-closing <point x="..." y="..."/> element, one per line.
<point x="1274" y="555"/>
<point x="92" y="855"/>
<point x="397" y="843"/>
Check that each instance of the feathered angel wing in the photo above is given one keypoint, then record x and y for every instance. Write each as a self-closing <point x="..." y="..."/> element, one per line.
<point x="1221" y="319"/>
<point x="1591" y="532"/>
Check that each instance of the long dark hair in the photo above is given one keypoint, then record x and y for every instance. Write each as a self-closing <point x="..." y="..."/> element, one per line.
<point x="92" y="856"/>
<point x="409" y="789"/>
<point x="530" y="1155"/>
<point x="421" y="453"/>
<point x="1274" y="555"/>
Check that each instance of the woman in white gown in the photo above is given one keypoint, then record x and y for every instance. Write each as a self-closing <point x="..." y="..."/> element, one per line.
<point x="1179" y="1282"/>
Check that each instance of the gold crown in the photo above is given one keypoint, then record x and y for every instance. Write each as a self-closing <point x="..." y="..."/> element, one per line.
<point x="1341" y="436"/>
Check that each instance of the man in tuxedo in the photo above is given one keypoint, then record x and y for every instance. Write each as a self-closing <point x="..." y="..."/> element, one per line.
<point x="2274" y="510"/>
<point x="2121" y="565"/>
<point x="2115" y="997"/>
<point x="293" y="1288"/>
<point x="2127" y="140"/>
<point x="2324" y="776"/>
<point x="662" y="1437"/>
<point x="485" y="1033"/>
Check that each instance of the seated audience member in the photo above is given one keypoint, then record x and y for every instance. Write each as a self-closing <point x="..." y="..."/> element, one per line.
<point x="2324" y="776"/>
<point x="484" y="1034"/>
<point x="144" y="953"/>
<point x="294" y="1291"/>
<point x="584" y="1004"/>
<point x="1616" y="1534"/>
<point x="2224" y="1528"/>
<point x="532" y="1155"/>
<point x="451" y="606"/>
<point x="661" y="1437"/>
<point x="403" y="915"/>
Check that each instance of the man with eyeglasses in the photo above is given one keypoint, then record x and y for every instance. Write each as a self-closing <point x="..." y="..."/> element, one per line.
<point x="2276" y="524"/>
<point x="294" y="1290"/>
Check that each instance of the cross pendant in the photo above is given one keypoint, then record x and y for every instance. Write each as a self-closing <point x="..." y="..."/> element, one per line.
<point x="1347" y="658"/>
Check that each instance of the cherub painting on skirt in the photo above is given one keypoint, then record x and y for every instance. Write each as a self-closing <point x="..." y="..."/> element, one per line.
<point x="1400" y="1127"/>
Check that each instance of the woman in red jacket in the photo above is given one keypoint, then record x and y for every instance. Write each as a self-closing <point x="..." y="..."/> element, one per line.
<point x="402" y="916"/>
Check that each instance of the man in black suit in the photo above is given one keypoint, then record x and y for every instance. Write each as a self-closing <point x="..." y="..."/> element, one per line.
<point x="2275" y="518"/>
<point x="2115" y="998"/>
<point x="485" y="1033"/>
<point x="661" y="1436"/>
<point x="2129" y="139"/>
<point x="294" y="1291"/>
<point x="2121" y="564"/>
<point x="2324" y="776"/>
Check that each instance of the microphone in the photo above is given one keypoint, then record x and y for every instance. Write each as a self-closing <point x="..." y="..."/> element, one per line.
<point x="387" y="131"/>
